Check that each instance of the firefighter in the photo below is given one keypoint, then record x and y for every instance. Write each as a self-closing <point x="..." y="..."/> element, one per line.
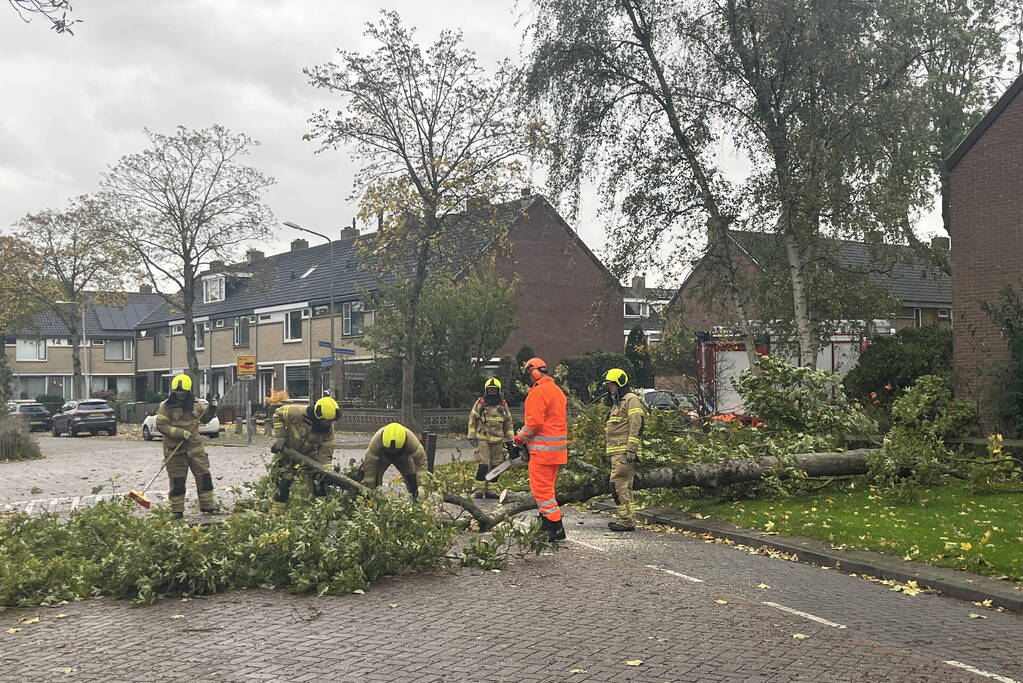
<point x="545" y="436"/>
<point x="178" y="420"/>
<point x="624" y="435"/>
<point x="310" y="431"/>
<point x="395" y="445"/>
<point x="490" y="428"/>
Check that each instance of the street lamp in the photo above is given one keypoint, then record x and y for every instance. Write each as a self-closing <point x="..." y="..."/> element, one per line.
<point x="333" y="341"/>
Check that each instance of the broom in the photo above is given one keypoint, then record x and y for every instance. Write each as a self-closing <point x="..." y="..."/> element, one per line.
<point x="140" y="496"/>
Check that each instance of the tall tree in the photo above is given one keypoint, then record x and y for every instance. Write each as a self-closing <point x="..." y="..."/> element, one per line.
<point x="187" y="200"/>
<point x="15" y="309"/>
<point x="73" y="263"/>
<point x="637" y="351"/>
<point x="632" y="108"/>
<point x="433" y="131"/>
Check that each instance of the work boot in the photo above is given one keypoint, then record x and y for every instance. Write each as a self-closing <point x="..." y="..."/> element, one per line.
<point x="211" y="511"/>
<point x="177" y="515"/>
<point x="618" y="525"/>
<point x="479" y="494"/>
<point x="556" y="531"/>
<point x="490" y="495"/>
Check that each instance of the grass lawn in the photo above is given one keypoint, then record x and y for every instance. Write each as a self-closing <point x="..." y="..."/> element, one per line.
<point x="947" y="526"/>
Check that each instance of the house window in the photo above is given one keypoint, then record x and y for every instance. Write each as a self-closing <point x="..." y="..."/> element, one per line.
<point x="918" y="317"/>
<point x="296" y="381"/>
<point x="241" y="331"/>
<point x="944" y="313"/>
<point x="220" y="323"/>
<point x="31" y="349"/>
<point x="320" y="311"/>
<point x="117" y="350"/>
<point x="635" y="309"/>
<point x="213" y="290"/>
<point x="200" y="335"/>
<point x="352" y="318"/>
<point x="160" y="342"/>
<point x="265" y="317"/>
<point x="293" y="326"/>
<point x="177" y="329"/>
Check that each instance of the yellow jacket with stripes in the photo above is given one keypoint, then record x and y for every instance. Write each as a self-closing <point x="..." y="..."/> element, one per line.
<point x="625" y="425"/>
<point x="293" y="424"/>
<point x="491" y="423"/>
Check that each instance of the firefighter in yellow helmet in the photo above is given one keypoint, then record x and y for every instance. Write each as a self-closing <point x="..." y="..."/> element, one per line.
<point x="395" y="445"/>
<point x="490" y="429"/>
<point x="178" y="419"/>
<point x="624" y="440"/>
<point x="310" y="431"/>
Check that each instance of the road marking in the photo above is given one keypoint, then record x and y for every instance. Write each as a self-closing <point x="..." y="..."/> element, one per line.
<point x="75" y="501"/>
<point x="979" y="672"/>
<point x="674" y="573"/>
<point x="587" y="545"/>
<point x="805" y="615"/>
<point x="30" y="507"/>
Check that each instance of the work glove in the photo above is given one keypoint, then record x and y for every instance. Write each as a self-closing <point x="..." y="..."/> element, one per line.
<point x="519" y="441"/>
<point x="474" y="442"/>
<point x="631" y="458"/>
<point x="508" y="445"/>
<point x="277" y="446"/>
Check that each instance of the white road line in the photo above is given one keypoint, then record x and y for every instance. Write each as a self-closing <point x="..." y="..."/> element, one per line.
<point x="674" y="573"/>
<point x="805" y="615"/>
<point x="75" y="501"/>
<point x="587" y="545"/>
<point x="980" y="672"/>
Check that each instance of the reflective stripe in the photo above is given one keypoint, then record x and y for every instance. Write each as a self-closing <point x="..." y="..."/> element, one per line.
<point x="563" y="447"/>
<point x="548" y="502"/>
<point x="633" y="411"/>
<point x="616" y="419"/>
<point x="563" y="437"/>
<point x="633" y="439"/>
<point x="527" y="431"/>
<point x="617" y="449"/>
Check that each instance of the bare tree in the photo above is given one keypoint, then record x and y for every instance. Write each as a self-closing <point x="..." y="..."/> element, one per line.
<point x="183" y="202"/>
<point x="54" y="11"/>
<point x="72" y="263"/>
<point x="433" y="131"/>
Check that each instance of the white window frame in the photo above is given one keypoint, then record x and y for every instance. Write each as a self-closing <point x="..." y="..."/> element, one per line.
<point x="248" y="330"/>
<point x="204" y="327"/>
<point x="288" y="339"/>
<point x="177" y="329"/>
<point x="126" y="350"/>
<point x="40" y="348"/>
<point x="166" y="341"/>
<point x="918" y="317"/>
<point x="220" y="323"/>
<point x="944" y="314"/>
<point x="643" y="310"/>
<point x="213" y="290"/>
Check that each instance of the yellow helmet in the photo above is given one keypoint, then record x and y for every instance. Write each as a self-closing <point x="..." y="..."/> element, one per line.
<point x="326" y="409"/>
<point x="492" y="382"/>
<point x="617" y="376"/>
<point x="181" y="383"/>
<point x="394" y="436"/>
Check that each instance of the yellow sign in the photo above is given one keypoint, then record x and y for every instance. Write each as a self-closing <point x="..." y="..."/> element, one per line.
<point x="246" y="366"/>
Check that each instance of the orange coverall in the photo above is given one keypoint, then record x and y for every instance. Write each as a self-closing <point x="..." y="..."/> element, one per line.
<point x="545" y="434"/>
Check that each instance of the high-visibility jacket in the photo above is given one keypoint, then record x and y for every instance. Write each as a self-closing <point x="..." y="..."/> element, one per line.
<point x="293" y="424"/>
<point x="625" y="425"/>
<point x="546" y="428"/>
<point x="491" y="423"/>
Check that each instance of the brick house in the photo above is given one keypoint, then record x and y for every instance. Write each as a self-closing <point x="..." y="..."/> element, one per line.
<point x="40" y="355"/>
<point x="986" y="222"/>
<point x="277" y="307"/>
<point x="917" y="290"/>
<point x="644" y="306"/>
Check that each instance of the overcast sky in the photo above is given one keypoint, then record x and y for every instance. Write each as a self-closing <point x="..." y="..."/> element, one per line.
<point x="71" y="106"/>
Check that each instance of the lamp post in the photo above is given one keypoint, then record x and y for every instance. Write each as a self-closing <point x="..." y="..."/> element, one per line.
<point x="333" y="341"/>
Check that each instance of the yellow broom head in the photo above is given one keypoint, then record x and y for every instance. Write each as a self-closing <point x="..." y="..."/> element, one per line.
<point x="140" y="499"/>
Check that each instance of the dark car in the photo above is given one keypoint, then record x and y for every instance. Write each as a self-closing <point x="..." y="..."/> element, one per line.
<point x="35" y="415"/>
<point x="92" y="415"/>
<point x="661" y="400"/>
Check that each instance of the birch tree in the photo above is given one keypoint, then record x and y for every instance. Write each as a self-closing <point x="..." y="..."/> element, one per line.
<point x="432" y="131"/>
<point x="186" y="200"/>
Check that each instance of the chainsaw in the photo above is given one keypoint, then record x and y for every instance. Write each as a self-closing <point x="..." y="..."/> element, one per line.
<point x="518" y="456"/>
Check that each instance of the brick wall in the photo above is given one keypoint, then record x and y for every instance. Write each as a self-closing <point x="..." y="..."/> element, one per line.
<point x="703" y="302"/>
<point x="987" y="254"/>
<point x="567" y="302"/>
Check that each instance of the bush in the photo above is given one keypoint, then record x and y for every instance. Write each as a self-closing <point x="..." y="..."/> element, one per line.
<point x="50" y="402"/>
<point x="800" y="400"/>
<point x="16" y="443"/>
<point x="586" y="371"/>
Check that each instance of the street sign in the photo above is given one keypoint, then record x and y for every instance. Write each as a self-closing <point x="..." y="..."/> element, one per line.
<point x="246" y="378"/>
<point x="345" y="352"/>
<point x="324" y="343"/>
<point x="246" y="366"/>
<point x="326" y="361"/>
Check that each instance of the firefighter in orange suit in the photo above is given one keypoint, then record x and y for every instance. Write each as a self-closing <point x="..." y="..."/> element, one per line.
<point x="545" y="436"/>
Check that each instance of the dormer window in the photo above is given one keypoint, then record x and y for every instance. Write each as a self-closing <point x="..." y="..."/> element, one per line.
<point x="213" y="290"/>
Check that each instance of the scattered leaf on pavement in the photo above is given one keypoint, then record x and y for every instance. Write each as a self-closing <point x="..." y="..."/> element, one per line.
<point x="634" y="662"/>
<point x="13" y="630"/>
<point x="977" y="616"/>
<point x="33" y="620"/>
<point x="800" y="636"/>
<point x="577" y="671"/>
<point x="359" y="591"/>
<point x="177" y="616"/>
<point x="721" y="602"/>
<point x="392" y="605"/>
<point x="763" y="585"/>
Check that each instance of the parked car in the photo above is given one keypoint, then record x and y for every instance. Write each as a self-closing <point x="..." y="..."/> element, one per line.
<point x="35" y="415"/>
<point x="656" y="398"/>
<point x="149" y="431"/>
<point x="92" y="415"/>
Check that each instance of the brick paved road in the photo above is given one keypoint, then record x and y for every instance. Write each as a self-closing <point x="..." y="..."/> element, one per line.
<point x="590" y="608"/>
<point x="72" y="468"/>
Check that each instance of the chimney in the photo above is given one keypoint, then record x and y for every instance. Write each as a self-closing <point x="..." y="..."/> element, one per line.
<point x="639" y="285"/>
<point x="349" y="234"/>
<point x="253" y="255"/>
<point x="216" y="265"/>
<point x="145" y="289"/>
<point x="942" y="243"/>
<point x="299" y="244"/>
<point x="526" y="192"/>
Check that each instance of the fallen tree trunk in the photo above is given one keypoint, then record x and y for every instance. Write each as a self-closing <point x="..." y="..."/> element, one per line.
<point x="703" y="475"/>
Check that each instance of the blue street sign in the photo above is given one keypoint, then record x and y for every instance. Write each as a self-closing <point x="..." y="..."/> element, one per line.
<point x="324" y="343"/>
<point x="345" y="352"/>
<point x="326" y="361"/>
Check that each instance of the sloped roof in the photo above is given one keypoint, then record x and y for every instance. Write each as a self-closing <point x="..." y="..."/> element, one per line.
<point x="648" y="293"/>
<point x="975" y="134"/>
<point x="897" y="269"/>
<point x="277" y="279"/>
<point x="101" y="321"/>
